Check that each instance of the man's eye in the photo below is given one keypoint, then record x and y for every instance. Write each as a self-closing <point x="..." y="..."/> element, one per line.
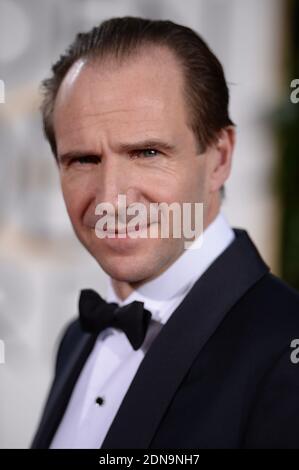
<point x="85" y="160"/>
<point x="147" y="153"/>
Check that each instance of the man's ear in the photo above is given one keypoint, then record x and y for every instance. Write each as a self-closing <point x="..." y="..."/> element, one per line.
<point x="221" y="160"/>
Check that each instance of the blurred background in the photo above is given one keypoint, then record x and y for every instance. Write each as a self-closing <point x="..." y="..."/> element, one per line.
<point x="42" y="266"/>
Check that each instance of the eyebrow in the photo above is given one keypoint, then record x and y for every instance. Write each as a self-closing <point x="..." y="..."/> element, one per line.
<point x="122" y="147"/>
<point x="146" y="143"/>
<point x="66" y="157"/>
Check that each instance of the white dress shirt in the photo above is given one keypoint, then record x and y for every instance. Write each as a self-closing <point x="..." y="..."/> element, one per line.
<point x="113" y="363"/>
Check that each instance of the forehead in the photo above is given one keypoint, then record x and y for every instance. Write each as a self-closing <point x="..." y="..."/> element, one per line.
<point x="144" y="93"/>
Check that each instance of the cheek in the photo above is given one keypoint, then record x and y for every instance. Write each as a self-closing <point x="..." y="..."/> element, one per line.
<point x="169" y="186"/>
<point x="195" y="185"/>
<point x="186" y="187"/>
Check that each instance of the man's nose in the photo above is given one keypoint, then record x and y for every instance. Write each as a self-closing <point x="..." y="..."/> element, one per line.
<point x="116" y="177"/>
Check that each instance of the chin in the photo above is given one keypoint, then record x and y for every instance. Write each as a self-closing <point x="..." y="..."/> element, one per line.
<point x="126" y="270"/>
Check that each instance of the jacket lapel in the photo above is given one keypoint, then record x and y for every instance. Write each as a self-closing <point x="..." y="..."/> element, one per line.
<point x="173" y="351"/>
<point x="61" y="391"/>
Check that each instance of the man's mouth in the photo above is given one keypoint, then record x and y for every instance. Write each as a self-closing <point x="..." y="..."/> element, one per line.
<point x="126" y="229"/>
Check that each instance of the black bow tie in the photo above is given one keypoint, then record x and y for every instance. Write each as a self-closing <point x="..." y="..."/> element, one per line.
<point x="96" y="314"/>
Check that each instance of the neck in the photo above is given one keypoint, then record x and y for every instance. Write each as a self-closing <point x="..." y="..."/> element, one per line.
<point x="122" y="289"/>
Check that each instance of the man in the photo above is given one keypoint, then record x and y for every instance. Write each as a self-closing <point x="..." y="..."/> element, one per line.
<point x="140" y="108"/>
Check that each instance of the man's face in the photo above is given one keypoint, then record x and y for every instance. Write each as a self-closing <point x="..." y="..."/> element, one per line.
<point x="106" y="120"/>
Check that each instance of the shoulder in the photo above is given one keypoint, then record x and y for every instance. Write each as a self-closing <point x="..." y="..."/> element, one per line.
<point x="274" y="418"/>
<point x="262" y="325"/>
<point x="279" y="290"/>
<point x="271" y="301"/>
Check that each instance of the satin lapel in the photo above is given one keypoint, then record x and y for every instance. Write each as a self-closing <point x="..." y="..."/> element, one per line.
<point x="180" y="341"/>
<point x="61" y="392"/>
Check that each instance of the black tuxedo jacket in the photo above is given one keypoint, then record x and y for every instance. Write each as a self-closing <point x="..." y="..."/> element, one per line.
<point x="219" y="373"/>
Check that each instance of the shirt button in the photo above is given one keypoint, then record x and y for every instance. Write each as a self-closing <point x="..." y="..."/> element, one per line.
<point x="100" y="401"/>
